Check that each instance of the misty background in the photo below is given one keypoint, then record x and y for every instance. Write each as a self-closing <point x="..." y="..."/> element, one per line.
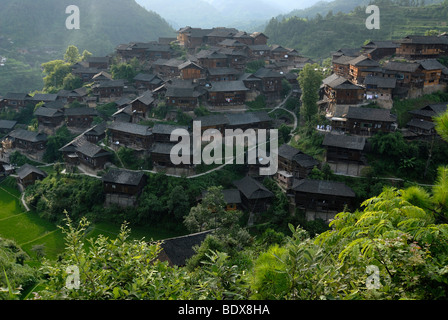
<point x="249" y="15"/>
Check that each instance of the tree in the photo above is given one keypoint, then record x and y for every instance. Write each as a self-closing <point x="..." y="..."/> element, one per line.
<point x="72" y="55"/>
<point x="56" y="71"/>
<point x="72" y="82"/>
<point x="118" y="269"/>
<point x="310" y="79"/>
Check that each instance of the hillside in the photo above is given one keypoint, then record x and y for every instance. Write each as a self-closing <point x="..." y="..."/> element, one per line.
<point x="244" y="15"/>
<point x="318" y="37"/>
<point x="32" y="32"/>
<point x="335" y="6"/>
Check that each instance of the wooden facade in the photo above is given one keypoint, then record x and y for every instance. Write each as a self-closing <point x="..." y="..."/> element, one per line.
<point x="130" y="135"/>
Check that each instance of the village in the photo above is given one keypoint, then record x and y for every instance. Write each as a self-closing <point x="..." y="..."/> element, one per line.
<point x="207" y="69"/>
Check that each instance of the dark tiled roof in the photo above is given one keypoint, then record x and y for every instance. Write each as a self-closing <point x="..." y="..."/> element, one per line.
<point x="227" y="86"/>
<point x="381" y="82"/>
<point x="120" y="176"/>
<point x="82" y="111"/>
<point x="267" y="73"/>
<point x="27" y="169"/>
<point x="236" y="119"/>
<point x="222" y="71"/>
<point x="372" y="114"/>
<point x="417" y="39"/>
<point x="287" y="152"/>
<point x="432" y="64"/>
<point x="363" y="61"/>
<point x="431" y="110"/>
<point x="305" y="160"/>
<point x="48" y="112"/>
<point x="420" y="123"/>
<point x="26" y="135"/>
<point x="402" y="66"/>
<point x="178" y="250"/>
<point x="146" y="98"/>
<point x="43" y="97"/>
<point x="16" y="96"/>
<point x="212" y="120"/>
<point x="337" y="82"/>
<point x="81" y="145"/>
<point x="252" y="189"/>
<point x="323" y="187"/>
<point x="344" y="141"/>
<point x="160" y="128"/>
<point x="130" y="128"/>
<point x="7" y="124"/>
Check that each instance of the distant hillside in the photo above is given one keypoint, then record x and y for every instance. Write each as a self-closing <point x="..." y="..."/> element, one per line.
<point x="33" y="32"/>
<point x="242" y="15"/>
<point x="104" y="23"/>
<point x="318" y="37"/>
<point x="344" y="6"/>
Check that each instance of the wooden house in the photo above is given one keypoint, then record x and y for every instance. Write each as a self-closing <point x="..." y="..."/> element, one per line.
<point x="361" y="67"/>
<point x="87" y="154"/>
<point x="248" y="120"/>
<point x="322" y="199"/>
<point x="123" y="187"/>
<point x="102" y="63"/>
<point x="161" y="155"/>
<point x="167" y="68"/>
<point x="81" y="117"/>
<point x="86" y="74"/>
<point x="69" y="96"/>
<point x="341" y="65"/>
<point x="130" y="135"/>
<point x="109" y="89"/>
<point x="432" y="72"/>
<point x="377" y="50"/>
<point x="379" y="87"/>
<point x="422" y="47"/>
<point x="49" y="117"/>
<point x="183" y="94"/>
<point x="222" y="74"/>
<point x="15" y="101"/>
<point x="259" y="38"/>
<point x="162" y="132"/>
<point x="259" y="52"/>
<point x="255" y="197"/>
<point x="339" y="90"/>
<point x="96" y="133"/>
<point x="422" y="122"/>
<point x="271" y="82"/>
<point x="28" y="141"/>
<point x="191" y="71"/>
<point x="212" y="59"/>
<point x="42" y="97"/>
<point x="191" y="38"/>
<point x="27" y="175"/>
<point x="142" y="106"/>
<point x="294" y="163"/>
<point x="226" y="93"/>
<point x="177" y="251"/>
<point x="408" y="74"/>
<point x="368" y="121"/>
<point x="7" y="126"/>
<point x="145" y="81"/>
<point x="213" y="122"/>
<point x="344" y="148"/>
<point x="232" y="199"/>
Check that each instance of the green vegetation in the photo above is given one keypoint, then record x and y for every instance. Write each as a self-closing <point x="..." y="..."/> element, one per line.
<point x="316" y="37"/>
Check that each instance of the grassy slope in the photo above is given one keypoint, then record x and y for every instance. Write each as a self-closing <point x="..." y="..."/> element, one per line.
<point x="318" y="38"/>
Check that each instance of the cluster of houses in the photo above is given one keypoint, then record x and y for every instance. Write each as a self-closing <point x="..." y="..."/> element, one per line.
<point x="382" y="70"/>
<point x="208" y="67"/>
<point x="377" y="73"/>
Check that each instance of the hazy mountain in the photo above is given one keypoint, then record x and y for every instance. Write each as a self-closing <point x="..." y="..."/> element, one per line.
<point x="239" y="14"/>
<point x="34" y="31"/>
<point x="335" y="6"/>
<point x="104" y="24"/>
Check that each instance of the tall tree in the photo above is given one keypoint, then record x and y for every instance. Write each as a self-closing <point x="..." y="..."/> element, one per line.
<point x="310" y="80"/>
